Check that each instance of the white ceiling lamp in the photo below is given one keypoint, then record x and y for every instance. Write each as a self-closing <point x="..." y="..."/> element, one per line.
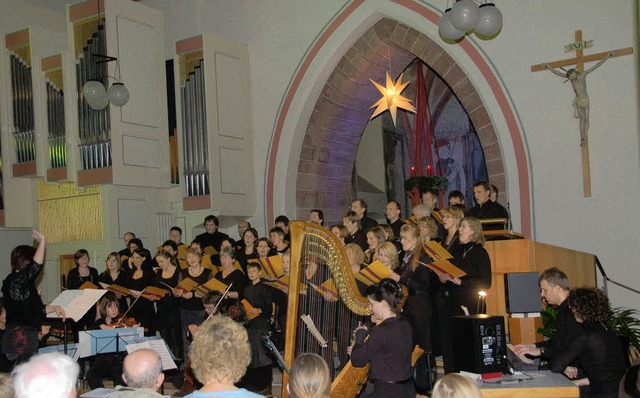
<point x="466" y="17"/>
<point x="446" y="28"/>
<point x="95" y="93"/>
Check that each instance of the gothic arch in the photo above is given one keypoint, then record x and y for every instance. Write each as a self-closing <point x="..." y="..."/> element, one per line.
<point x="342" y="111"/>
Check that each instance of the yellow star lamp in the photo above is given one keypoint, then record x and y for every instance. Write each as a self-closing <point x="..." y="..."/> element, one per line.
<point x="391" y="98"/>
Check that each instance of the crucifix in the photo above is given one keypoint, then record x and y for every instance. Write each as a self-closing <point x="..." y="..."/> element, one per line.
<point x="577" y="76"/>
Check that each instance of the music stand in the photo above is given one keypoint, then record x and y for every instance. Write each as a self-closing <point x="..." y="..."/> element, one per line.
<point x="107" y="341"/>
<point x="75" y="303"/>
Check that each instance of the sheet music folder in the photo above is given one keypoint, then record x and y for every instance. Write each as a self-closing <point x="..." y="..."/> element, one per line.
<point x="94" y="342"/>
<point x="76" y="303"/>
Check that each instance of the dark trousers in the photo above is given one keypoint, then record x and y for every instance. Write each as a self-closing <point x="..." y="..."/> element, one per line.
<point x="104" y="366"/>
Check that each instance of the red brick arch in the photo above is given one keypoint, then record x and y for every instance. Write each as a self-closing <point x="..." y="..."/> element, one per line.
<point x="342" y="111"/>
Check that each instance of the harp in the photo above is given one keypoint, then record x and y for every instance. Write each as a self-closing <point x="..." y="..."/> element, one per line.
<point x="318" y="320"/>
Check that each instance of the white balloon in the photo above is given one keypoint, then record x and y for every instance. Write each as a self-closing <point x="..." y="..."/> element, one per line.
<point x="490" y="20"/>
<point x="464" y="14"/>
<point x="118" y="94"/>
<point x="446" y="29"/>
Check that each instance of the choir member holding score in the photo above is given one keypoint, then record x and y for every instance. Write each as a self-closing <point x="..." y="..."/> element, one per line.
<point x="168" y="318"/>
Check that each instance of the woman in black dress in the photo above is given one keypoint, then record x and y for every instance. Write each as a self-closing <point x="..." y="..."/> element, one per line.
<point x="417" y="278"/>
<point x="389" y="346"/>
<point x="24" y="306"/>
<point x="76" y="277"/>
<point x="168" y="315"/>
<point x="230" y="274"/>
<point x="113" y="275"/>
<point x="463" y="293"/>
<point x="248" y="251"/>
<point x="142" y="309"/>
<point x="598" y="349"/>
<point x="191" y="308"/>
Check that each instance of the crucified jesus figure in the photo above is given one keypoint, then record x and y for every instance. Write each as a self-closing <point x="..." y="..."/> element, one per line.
<point x="581" y="102"/>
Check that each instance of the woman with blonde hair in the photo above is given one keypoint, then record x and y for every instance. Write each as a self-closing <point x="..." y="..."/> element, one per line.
<point x="220" y="354"/>
<point x="417" y="278"/>
<point x="455" y="385"/>
<point x="388" y="255"/>
<point x="309" y="377"/>
<point x="451" y="217"/>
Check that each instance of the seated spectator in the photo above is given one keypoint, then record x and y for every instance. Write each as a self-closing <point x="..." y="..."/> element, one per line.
<point x="309" y="377"/>
<point x="454" y="385"/>
<point x="220" y="354"/>
<point x="142" y="371"/>
<point x="52" y="375"/>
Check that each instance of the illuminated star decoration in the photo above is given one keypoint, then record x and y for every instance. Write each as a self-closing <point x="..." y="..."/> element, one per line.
<point x="391" y="98"/>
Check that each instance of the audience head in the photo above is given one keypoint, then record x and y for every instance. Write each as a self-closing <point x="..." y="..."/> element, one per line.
<point x="386" y="292"/>
<point x="220" y="351"/>
<point x="316" y="216"/>
<point x="143" y="369"/>
<point x="21" y="256"/>
<point x="175" y="235"/>
<point x="589" y="304"/>
<point x="392" y="211"/>
<point x="52" y="375"/>
<point x="354" y="254"/>
<point x="470" y="231"/>
<point x="359" y="206"/>
<point x="421" y="211"/>
<point x="430" y="198"/>
<point x="211" y="223"/>
<point x="554" y="286"/>
<point x="455" y="385"/>
<point x="481" y="192"/>
<point x="388" y="255"/>
<point x="309" y="377"/>
<point x="456" y="198"/>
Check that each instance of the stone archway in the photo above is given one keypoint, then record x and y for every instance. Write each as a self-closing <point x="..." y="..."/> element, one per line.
<point x="342" y="111"/>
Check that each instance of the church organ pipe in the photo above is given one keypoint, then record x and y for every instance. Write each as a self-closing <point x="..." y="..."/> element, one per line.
<point x="194" y="126"/>
<point x="55" y="117"/>
<point x="94" y="125"/>
<point x="23" y="120"/>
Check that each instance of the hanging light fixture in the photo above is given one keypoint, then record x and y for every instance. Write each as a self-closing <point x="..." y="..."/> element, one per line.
<point x="94" y="90"/>
<point x="95" y="93"/>
<point x="465" y="15"/>
<point x="391" y="99"/>
<point x="446" y="28"/>
<point x="490" y="20"/>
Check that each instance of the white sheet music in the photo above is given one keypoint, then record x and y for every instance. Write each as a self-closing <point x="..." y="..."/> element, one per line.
<point x="76" y="303"/>
<point x="158" y="346"/>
